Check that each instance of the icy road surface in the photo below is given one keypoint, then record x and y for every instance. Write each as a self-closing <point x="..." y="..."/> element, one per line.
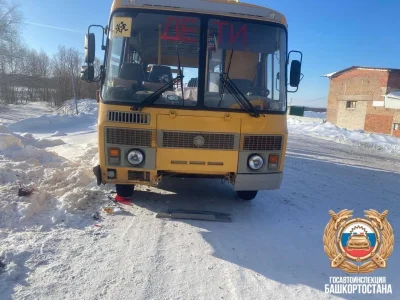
<point x="272" y="250"/>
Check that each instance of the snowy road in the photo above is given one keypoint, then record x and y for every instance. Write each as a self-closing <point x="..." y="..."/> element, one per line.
<point x="272" y="250"/>
<point x="51" y="248"/>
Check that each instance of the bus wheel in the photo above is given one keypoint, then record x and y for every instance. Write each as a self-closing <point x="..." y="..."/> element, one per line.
<point x="125" y="190"/>
<point x="247" y="195"/>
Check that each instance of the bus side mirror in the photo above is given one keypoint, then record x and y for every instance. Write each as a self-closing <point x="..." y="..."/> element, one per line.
<point x="295" y="73"/>
<point x="87" y="73"/>
<point x="90" y="48"/>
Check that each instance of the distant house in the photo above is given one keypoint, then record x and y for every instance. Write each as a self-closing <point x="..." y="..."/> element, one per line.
<point x="365" y="98"/>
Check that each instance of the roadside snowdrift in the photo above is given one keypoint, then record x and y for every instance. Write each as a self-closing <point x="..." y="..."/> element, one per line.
<point x="328" y="131"/>
<point x="315" y="114"/>
<point x="65" y="121"/>
<point x="60" y="185"/>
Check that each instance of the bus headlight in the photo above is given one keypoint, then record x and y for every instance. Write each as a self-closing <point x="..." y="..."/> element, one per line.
<point x="255" y="162"/>
<point x="135" y="157"/>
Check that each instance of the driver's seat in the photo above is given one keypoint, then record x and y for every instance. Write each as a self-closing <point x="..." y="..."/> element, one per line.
<point x="132" y="72"/>
<point x="160" y="74"/>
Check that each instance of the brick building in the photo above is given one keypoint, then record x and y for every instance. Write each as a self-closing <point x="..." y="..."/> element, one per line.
<point x="365" y="98"/>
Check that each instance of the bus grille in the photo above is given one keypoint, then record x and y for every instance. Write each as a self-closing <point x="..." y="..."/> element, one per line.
<point x="128" y="117"/>
<point x="122" y="136"/>
<point x="176" y="139"/>
<point x="261" y="142"/>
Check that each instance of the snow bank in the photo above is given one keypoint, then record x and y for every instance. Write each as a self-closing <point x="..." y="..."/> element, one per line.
<point x="328" y="131"/>
<point x="13" y="264"/>
<point x="52" y="123"/>
<point x="86" y="106"/>
<point x="58" y="133"/>
<point x="61" y="186"/>
<point x="313" y="114"/>
<point x="65" y="121"/>
<point x="16" y="112"/>
<point x="10" y="141"/>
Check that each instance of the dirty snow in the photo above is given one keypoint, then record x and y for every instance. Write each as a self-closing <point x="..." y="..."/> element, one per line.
<point x="52" y="248"/>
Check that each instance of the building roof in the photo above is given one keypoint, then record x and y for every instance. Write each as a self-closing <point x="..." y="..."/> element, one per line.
<point x="337" y="73"/>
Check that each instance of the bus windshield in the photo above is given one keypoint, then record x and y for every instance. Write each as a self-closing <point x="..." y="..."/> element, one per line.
<point x="253" y="57"/>
<point x="147" y="52"/>
<point x="144" y="54"/>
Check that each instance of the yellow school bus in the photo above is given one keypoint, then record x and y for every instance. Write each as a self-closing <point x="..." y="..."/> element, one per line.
<point x="192" y="89"/>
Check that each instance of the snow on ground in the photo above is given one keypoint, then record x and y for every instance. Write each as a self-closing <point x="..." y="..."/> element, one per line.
<point x="314" y="114"/>
<point x="17" y="112"/>
<point x="328" y="131"/>
<point x="40" y="118"/>
<point x="52" y="247"/>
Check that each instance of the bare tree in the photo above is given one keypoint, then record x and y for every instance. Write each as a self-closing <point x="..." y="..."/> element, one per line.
<point x="10" y="48"/>
<point x="26" y="74"/>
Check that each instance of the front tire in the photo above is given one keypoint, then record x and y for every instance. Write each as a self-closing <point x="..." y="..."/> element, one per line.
<point x="125" y="190"/>
<point x="247" y="195"/>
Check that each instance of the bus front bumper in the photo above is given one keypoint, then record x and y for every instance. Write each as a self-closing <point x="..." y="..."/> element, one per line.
<point x="258" y="182"/>
<point x="242" y="182"/>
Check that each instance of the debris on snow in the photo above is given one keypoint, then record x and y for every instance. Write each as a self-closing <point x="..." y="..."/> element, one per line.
<point x="25" y="191"/>
<point x="96" y="216"/>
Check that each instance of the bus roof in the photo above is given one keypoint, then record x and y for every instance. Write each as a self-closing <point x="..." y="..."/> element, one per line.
<point x="215" y="7"/>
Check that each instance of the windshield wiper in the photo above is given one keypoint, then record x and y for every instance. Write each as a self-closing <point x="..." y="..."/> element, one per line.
<point x="153" y="97"/>
<point x="238" y="95"/>
<point x="236" y="92"/>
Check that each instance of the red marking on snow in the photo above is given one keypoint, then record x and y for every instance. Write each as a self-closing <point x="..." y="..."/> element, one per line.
<point x="123" y="200"/>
